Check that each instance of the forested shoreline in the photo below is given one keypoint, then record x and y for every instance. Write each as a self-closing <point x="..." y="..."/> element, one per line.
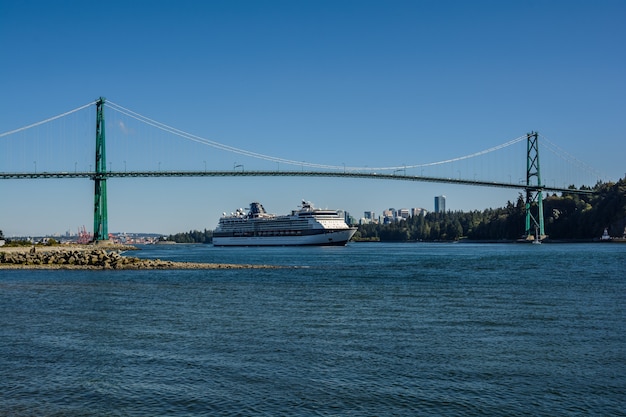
<point x="569" y="216"/>
<point x="193" y="236"/>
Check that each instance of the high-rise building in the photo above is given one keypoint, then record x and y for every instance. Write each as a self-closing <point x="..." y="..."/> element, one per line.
<point x="404" y="213"/>
<point x="440" y="204"/>
<point x="348" y="218"/>
<point x="417" y="211"/>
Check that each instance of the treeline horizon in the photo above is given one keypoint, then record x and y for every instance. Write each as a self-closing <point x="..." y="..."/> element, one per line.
<point x="569" y="216"/>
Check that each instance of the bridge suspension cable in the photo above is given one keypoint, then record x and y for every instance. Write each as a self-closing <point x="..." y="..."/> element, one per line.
<point x="460" y="158"/>
<point x="567" y="157"/>
<point x="208" y="142"/>
<point x="47" y="120"/>
<point x="218" y="145"/>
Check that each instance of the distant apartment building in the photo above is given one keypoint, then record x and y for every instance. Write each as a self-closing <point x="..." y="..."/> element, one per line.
<point x="368" y="217"/>
<point x="440" y="204"/>
<point x="388" y="216"/>
<point x="403" y="213"/>
<point x="417" y="211"/>
<point x="348" y="218"/>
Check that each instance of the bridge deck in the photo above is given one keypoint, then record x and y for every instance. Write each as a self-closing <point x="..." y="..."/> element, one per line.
<point x="154" y="174"/>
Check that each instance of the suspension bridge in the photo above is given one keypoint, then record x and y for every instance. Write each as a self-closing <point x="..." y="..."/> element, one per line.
<point x="55" y="158"/>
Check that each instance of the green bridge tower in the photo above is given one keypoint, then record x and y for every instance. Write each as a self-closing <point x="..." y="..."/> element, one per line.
<point x="534" y="196"/>
<point x="100" y="220"/>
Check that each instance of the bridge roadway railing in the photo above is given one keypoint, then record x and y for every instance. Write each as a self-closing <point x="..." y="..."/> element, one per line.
<point x="154" y="174"/>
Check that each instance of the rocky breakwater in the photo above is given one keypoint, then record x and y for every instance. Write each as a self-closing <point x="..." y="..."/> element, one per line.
<point x="96" y="258"/>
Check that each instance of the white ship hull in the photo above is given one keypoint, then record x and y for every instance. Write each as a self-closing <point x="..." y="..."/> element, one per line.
<point x="326" y="238"/>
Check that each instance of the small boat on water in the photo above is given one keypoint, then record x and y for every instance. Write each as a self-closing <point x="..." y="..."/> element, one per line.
<point x="305" y="226"/>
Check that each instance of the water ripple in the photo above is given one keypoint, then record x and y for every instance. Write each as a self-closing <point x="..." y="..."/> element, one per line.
<point x="359" y="332"/>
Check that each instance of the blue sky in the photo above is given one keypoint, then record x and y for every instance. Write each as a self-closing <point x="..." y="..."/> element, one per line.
<point x="361" y="83"/>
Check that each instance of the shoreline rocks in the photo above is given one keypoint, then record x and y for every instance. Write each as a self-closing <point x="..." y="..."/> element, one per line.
<point x="94" y="258"/>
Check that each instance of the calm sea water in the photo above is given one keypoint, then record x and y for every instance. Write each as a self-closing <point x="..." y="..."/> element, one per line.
<point x="364" y="330"/>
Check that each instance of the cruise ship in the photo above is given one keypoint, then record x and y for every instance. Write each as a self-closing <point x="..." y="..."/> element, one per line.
<point x="305" y="226"/>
